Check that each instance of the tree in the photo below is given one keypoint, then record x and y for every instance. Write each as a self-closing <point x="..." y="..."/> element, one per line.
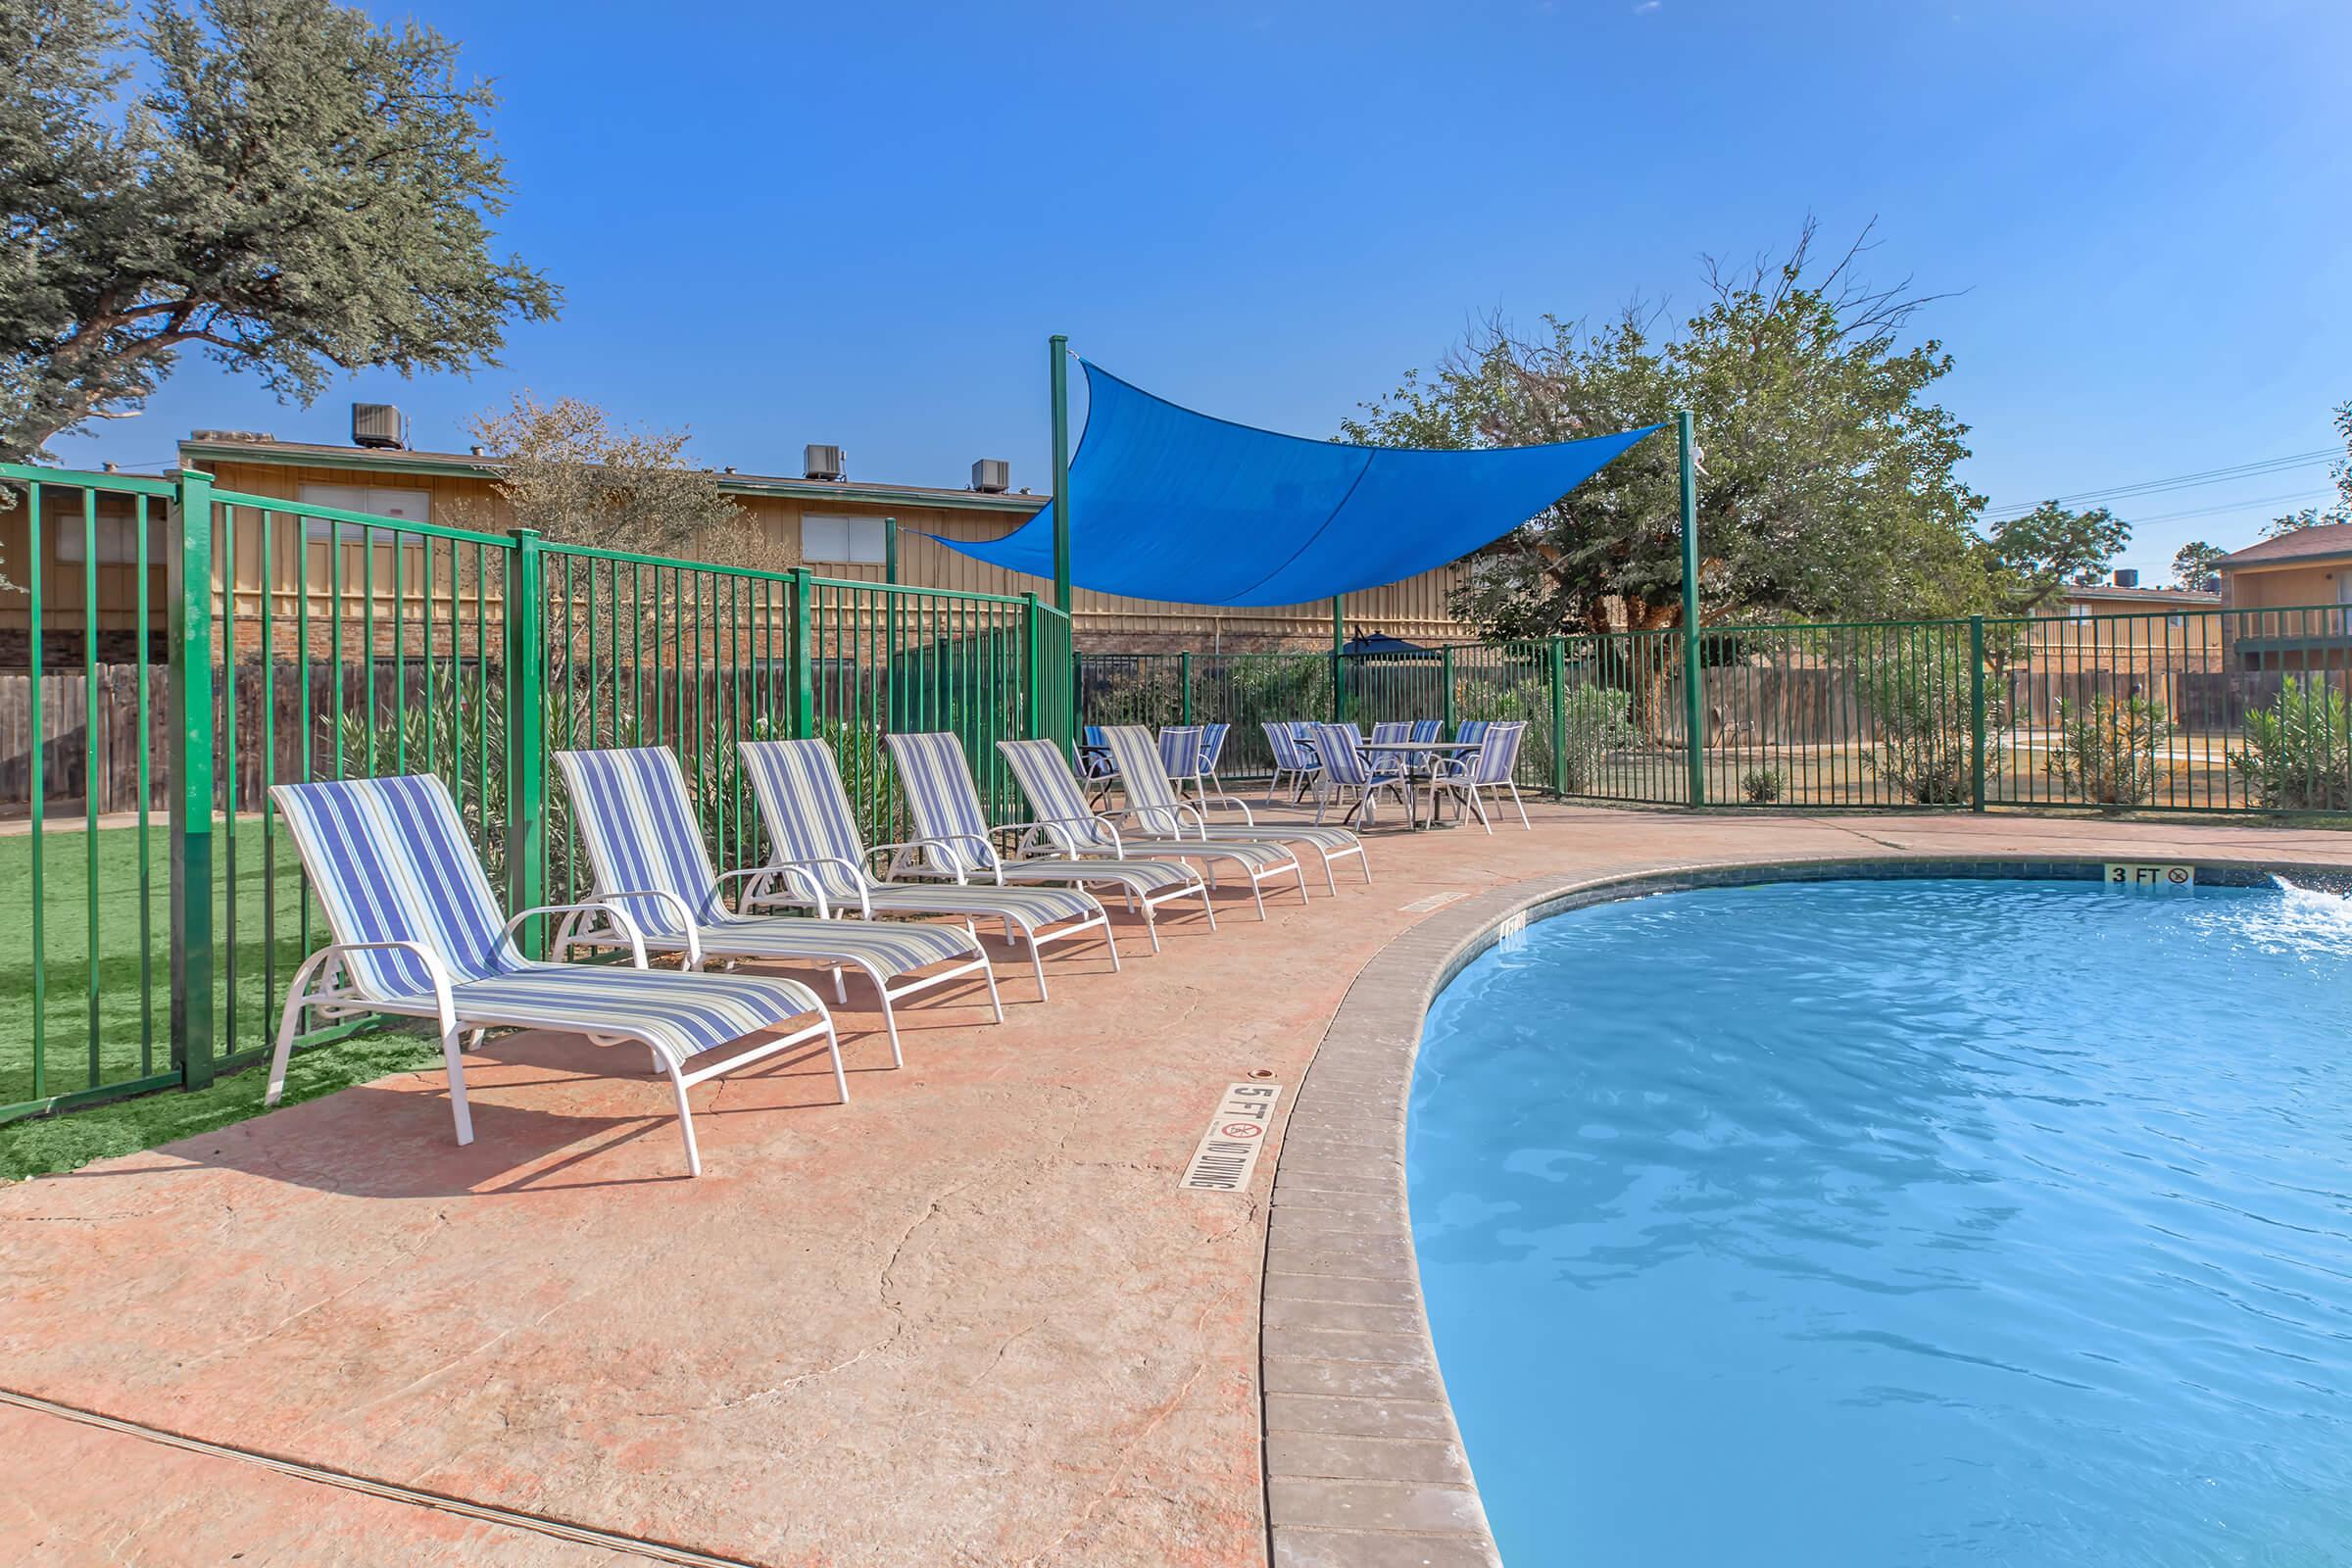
<point x="573" y="473"/>
<point x="2034" y="556"/>
<point x="1829" y="485"/>
<point x="2197" y="565"/>
<point x="2309" y="517"/>
<point x="291" y="189"/>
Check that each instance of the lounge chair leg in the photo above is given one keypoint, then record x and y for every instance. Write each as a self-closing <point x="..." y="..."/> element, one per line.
<point x="1208" y="907"/>
<point x="1150" y="925"/>
<point x="289" y="1022"/>
<point x="694" y="1155"/>
<point x="841" y="986"/>
<point x="988" y="971"/>
<point x="841" y="1079"/>
<point x="1329" y="880"/>
<point x="1036" y="960"/>
<point x="1522" y="805"/>
<point x="1258" y="892"/>
<point x="457" y="1084"/>
<point x="890" y="1026"/>
<point x="1110" y="940"/>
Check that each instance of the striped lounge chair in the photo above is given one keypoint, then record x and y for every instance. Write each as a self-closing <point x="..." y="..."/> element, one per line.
<point x="959" y="845"/>
<point x="1159" y="812"/>
<point x="646" y="853"/>
<point x="1184" y="754"/>
<point x="1490" y="767"/>
<point x="416" y="932"/>
<point x="1065" y="824"/>
<point x="824" y="863"/>
<point x="1291" y="761"/>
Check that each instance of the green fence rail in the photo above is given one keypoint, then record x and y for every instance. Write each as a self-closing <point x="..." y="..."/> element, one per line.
<point x="211" y="644"/>
<point x="2179" y="709"/>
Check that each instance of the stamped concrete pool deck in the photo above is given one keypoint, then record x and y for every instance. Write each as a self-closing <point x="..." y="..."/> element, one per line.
<point x="968" y="1318"/>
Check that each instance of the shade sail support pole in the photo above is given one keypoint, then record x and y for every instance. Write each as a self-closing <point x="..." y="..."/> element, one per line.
<point x="1339" y="658"/>
<point x="1694" y="699"/>
<point x="1058" y="353"/>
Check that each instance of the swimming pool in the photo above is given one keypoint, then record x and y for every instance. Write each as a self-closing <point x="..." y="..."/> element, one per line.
<point x="1876" y="1223"/>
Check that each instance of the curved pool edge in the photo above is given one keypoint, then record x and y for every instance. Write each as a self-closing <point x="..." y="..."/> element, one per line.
<point x="1363" y="1463"/>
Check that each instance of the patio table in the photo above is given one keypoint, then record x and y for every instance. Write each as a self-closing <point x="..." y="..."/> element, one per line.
<point x="1418" y="761"/>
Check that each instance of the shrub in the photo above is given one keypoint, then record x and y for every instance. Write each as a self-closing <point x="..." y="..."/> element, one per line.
<point x="2298" y="753"/>
<point x="1597" y="723"/>
<point x="1761" y="786"/>
<point x="2115" y="753"/>
<point x="1920" y="701"/>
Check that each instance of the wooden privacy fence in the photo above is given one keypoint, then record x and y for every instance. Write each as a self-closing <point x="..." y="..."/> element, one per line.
<point x="67" y="755"/>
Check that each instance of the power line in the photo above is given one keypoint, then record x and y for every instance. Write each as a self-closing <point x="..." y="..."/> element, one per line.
<point x="2182" y="481"/>
<point x="2232" y="506"/>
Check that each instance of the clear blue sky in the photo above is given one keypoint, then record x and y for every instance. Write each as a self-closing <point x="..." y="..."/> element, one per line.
<point x="859" y="224"/>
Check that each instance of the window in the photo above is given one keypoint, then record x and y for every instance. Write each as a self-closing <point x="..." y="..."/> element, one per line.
<point x="377" y="501"/>
<point x="118" y="536"/>
<point x="854" y="541"/>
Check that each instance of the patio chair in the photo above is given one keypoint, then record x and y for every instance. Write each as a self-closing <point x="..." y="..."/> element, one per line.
<point x="1184" y="754"/>
<point x="1490" y="767"/>
<point x="1159" y="812"/>
<point x="1212" y="751"/>
<point x="1470" y="731"/>
<point x="959" y="844"/>
<point x="1292" y="759"/>
<point x="825" y="863"/>
<point x="1065" y="824"/>
<point x="416" y="932"/>
<point x="1348" y="767"/>
<point x="647" y="855"/>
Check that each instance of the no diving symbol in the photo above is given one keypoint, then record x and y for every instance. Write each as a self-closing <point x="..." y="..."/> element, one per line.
<point x="1240" y="1129"/>
<point x="2177" y="874"/>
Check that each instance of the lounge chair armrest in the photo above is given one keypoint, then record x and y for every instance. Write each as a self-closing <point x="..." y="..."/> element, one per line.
<point x="754" y="876"/>
<point x="1226" y="800"/>
<point x="610" y="911"/>
<point x="434" y="970"/>
<point x="945" y="841"/>
<point x="1099" y="822"/>
<point x="686" y="919"/>
<point x="856" y="874"/>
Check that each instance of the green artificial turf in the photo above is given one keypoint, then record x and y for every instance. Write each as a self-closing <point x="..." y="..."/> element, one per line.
<point x="39" y="1145"/>
<point x="133" y="1006"/>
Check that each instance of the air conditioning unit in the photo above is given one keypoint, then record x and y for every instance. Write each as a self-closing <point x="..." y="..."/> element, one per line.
<point x="2127" y="576"/>
<point x="992" y="477"/>
<point x="377" y="425"/>
<point x="822" y="463"/>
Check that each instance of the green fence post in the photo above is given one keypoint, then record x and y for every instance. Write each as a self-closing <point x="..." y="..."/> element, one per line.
<point x="1445" y="703"/>
<point x="1557" y="659"/>
<point x="803" y="662"/>
<point x="1975" y="712"/>
<point x="1694" y="699"/>
<point x="191" y="762"/>
<point x="1184" y="682"/>
<point x="1033" y="683"/>
<point x="1339" y="654"/>
<point x="1058" y="376"/>
<point x="526" y="730"/>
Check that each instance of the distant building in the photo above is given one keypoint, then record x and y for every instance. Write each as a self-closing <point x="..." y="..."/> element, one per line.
<point x="2292" y="594"/>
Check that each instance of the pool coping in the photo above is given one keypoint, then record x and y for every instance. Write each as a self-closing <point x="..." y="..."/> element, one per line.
<point x="1363" y="1464"/>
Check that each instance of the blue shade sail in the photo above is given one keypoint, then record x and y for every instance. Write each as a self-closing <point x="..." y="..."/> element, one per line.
<point x="1176" y="505"/>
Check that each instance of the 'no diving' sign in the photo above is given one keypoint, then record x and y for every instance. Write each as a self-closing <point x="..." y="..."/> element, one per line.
<point x="1228" y="1151"/>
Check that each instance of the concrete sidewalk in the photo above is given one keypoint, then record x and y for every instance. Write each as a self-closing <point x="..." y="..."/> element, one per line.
<point x="967" y="1318"/>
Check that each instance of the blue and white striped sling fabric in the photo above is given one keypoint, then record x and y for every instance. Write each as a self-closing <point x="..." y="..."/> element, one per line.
<point x="808" y="816"/>
<point x="946" y="807"/>
<point x="389" y="860"/>
<point x="1154" y="799"/>
<point x="1471" y="731"/>
<point x="1282" y="735"/>
<point x="1054" y="798"/>
<point x="641" y="836"/>
<point x="1498" y="755"/>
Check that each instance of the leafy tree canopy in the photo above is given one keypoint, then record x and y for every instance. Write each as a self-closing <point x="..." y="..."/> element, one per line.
<point x="282" y="184"/>
<point x="571" y="470"/>
<point x="2197" y="565"/>
<point x="1828" y="487"/>
<point x="2032" y="557"/>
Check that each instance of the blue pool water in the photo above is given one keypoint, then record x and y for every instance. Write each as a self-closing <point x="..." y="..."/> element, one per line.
<point x="1881" y="1224"/>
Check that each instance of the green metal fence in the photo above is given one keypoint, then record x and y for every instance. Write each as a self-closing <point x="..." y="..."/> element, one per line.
<point x="268" y="641"/>
<point x="2176" y="709"/>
